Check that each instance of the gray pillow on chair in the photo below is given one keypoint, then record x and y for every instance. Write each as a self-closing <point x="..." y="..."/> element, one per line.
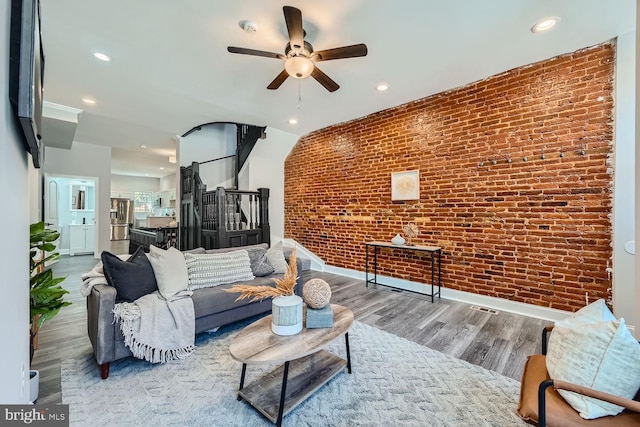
<point x="132" y="278"/>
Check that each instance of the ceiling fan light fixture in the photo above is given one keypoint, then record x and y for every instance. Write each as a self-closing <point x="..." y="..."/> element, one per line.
<point x="299" y="67"/>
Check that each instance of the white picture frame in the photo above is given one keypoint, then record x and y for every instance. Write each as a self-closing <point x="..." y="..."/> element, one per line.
<point x="405" y="185"/>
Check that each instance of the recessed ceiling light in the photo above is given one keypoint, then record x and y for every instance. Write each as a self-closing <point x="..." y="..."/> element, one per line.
<point x="143" y="146"/>
<point x="102" y="56"/>
<point x="89" y="101"/>
<point x="172" y="159"/>
<point x="545" y="24"/>
<point x="293" y="121"/>
<point x="382" y="87"/>
<point x="161" y="168"/>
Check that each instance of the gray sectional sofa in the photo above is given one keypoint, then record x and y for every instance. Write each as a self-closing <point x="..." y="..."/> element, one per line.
<point x="213" y="308"/>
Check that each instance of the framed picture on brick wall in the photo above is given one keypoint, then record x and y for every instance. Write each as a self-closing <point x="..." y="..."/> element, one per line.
<point x="405" y="185"/>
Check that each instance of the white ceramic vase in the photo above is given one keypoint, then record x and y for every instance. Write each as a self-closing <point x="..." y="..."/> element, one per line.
<point x="398" y="240"/>
<point x="286" y="315"/>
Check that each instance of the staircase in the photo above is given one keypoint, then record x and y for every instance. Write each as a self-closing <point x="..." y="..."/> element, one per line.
<point x="223" y="217"/>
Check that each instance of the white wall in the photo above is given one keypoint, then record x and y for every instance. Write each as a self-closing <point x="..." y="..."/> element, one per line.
<point x="637" y="156"/>
<point x="14" y="264"/>
<point x="134" y="183"/>
<point x="168" y="182"/>
<point x="91" y="161"/>
<point x="35" y="190"/>
<point x="266" y="170"/>
<point x="212" y="142"/>
<point x="624" y="287"/>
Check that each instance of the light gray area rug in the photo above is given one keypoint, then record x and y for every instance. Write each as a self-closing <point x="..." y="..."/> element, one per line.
<point x="395" y="382"/>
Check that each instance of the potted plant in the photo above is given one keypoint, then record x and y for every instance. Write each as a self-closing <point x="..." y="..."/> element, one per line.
<point x="45" y="293"/>
<point x="286" y="306"/>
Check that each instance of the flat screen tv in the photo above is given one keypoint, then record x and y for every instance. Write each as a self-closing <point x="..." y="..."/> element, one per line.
<point x="26" y="74"/>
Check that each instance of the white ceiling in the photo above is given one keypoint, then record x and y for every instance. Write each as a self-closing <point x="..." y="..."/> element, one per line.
<point x="170" y="70"/>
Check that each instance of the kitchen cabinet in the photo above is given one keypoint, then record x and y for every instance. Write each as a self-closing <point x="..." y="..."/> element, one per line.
<point x="82" y="238"/>
<point x="164" y="199"/>
<point x="168" y="198"/>
<point x="122" y="195"/>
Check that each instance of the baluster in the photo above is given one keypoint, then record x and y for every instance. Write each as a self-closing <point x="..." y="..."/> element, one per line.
<point x="228" y="212"/>
<point x="255" y="212"/>
<point x="250" y="211"/>
<point x="208" y="212"/>
<point x="214" y="213"/>
<point x="257" y="220"/>
<point x="205" y="211"/>
<point x="236" y="215"/>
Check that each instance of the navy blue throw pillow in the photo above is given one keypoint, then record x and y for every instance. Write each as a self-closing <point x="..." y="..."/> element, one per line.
<point x="132" y="278"/>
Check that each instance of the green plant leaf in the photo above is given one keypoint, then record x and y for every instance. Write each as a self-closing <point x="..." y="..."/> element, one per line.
<point x="46" y="295"/>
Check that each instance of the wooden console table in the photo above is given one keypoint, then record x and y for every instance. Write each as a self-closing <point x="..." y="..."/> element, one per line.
<point x="435" y="251"/>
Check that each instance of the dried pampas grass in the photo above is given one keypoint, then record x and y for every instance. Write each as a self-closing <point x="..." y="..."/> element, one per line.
<point x="284" y="286"/>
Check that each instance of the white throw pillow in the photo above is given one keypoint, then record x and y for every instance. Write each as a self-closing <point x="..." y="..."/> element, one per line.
<point x="591" y="350"/>
<point x="170" y="270"/>
<point x="595" y="312"/>
<point x="208" y="270"/>
<point x="276" y="258"/>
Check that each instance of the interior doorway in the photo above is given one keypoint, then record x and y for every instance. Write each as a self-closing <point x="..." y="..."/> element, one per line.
<point x="70" y="207"/>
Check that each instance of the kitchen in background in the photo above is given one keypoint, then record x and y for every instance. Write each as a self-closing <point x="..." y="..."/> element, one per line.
<point x="121" y="214"/>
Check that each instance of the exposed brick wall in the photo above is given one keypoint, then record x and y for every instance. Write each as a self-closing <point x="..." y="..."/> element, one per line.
<point x="537" y="231"/>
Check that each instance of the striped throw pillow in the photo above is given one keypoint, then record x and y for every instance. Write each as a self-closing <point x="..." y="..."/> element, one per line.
<point x="208" y="270"/>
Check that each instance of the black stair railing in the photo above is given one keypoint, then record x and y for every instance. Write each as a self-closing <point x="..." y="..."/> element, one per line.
<point x="220" y="218"/>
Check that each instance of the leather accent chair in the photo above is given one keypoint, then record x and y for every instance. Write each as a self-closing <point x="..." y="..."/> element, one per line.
<point x="541" y="404"/>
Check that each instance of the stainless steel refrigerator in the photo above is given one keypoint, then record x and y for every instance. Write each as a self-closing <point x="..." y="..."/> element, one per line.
<point x="121" y="218"/>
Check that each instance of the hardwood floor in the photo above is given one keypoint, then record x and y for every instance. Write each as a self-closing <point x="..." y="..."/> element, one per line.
<point x="64" y="336"/>
<point x="499" y="342"/>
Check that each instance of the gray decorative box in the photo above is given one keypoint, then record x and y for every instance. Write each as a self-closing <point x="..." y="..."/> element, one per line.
<point x="319" y="318"/>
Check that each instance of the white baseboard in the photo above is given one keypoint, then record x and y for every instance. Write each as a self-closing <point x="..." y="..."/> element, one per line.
<point x="530" y="310"/>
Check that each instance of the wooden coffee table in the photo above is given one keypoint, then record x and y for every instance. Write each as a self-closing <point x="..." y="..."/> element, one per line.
<point x="305" y="367"/>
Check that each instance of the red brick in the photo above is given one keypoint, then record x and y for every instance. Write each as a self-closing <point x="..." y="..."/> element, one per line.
<point x="537" y="232"/>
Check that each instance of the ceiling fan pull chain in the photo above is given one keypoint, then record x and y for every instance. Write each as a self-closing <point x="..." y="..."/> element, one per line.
<point x="299" y="94"/>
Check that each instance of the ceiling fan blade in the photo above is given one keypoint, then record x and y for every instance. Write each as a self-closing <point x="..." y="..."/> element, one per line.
<point x="254" y="52"/>
<point x="324" y="80"/>
<point x="280" y="78"/>
<point x="293" y="18"/>
<point x="352" y="51"/>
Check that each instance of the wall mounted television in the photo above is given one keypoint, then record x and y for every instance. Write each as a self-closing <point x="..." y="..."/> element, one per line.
<point x="26" y="74"/>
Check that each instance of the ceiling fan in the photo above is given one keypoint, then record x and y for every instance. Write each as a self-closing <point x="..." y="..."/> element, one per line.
<point x="299" y="57"/>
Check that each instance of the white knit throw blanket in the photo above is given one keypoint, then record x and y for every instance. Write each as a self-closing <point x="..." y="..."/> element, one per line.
<point x="158" y="330"/>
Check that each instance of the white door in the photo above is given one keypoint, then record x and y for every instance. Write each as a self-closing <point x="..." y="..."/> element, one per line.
<point x="52" y="208"/>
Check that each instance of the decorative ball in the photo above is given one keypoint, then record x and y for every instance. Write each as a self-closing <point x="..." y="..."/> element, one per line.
<point x="316" y="293"/>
